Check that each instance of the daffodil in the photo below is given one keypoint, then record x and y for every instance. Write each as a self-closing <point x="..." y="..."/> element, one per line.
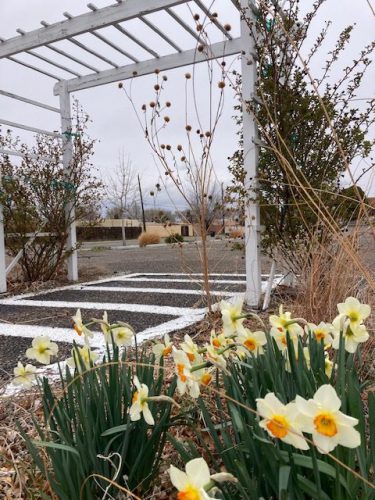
<point x="328" y="365"/>
<point x="321" y="332"/>
<point x="185" y="380"/>
<point x="139" y="403"/>
<point x="162" y="349"/>
<point x="104" y="325"/>
<point x="252" y="341"/>
<point x="280" y="336"/>
<point x="122" y="335"/>
<point x="329" y="426"/>
<point x="354" y="334"/>
<point x="196" y="480"/>
<point x="24" y="375"/>
<point x="80" y="328"/>
<point x="191" y="349"/>
<point x="215" y="357"/>
<point x="354" y="311"/>
<point x="82" y="355"/>
<point x="231" y="316"/>
<point x="282" y="323"/>
<point x="42" y="350"/>
<point x="281" y="421"/>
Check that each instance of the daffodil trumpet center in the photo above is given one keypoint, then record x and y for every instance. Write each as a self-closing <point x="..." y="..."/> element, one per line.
<point x="325" y="424"/>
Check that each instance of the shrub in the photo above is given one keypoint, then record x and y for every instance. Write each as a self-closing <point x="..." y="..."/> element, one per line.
<point x="148" y="239"/>
<point x="174" y="238"/>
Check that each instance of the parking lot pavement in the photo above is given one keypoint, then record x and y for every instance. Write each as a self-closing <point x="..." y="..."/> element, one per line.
<point x="153" y="303"/>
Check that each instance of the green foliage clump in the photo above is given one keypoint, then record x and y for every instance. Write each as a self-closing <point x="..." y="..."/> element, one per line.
<point x="174" y="238"/>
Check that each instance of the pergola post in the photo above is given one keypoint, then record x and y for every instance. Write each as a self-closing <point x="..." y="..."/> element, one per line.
<point x="250" y="160"/>
<point x="3" y="275"/>
<point x="66" y="129"/>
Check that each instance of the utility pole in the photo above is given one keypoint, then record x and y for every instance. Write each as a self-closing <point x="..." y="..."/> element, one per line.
<point x="223" y="207"/>
<point x="142" y="207"/>
<point x="250" y="158"/>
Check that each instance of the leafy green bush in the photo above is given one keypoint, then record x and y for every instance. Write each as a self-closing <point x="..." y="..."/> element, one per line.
<point x="174" y="238"/>
<point x="89" y="434"/>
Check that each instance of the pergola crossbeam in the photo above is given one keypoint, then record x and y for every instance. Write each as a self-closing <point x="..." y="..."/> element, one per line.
<point x="187" y="28"/>
<point x="28" y="128"/>
<point x="136" y="40"/>
<point x="34" y="68"/>
<point x="29" y="101"/>
<point x="217" y="50"/>
<point x="78" y="25"/>
<point x="9" y="152"/>
<point x="160" y="33"/>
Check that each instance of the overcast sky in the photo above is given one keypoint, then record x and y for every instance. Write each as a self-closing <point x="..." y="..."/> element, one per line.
<point x="113" y="119"/>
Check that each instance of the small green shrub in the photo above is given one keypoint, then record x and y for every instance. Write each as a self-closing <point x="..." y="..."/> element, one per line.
<point x="174" y="238"/>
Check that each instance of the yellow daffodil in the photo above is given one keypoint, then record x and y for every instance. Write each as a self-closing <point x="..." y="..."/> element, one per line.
<point x="230" y="313"/>
<point x="185" y="381"/>
<point x="24" y="375"/>
<point x="139" y="403"/>
<point x="87" y="357"/>
<point x="42" y="350"/>
<point x="329" y="426"/>
<point x="252" y="341"/>
<point x="354" y="334"/>
<point x="163" y="349"/>
<point x="281" y="421"/>
<point x="328" y="365"/>
<point x="193" y="483"/>
<point x="354" y="311"/>
<point x="104" y="325"/>
<point x="322" y="332"/>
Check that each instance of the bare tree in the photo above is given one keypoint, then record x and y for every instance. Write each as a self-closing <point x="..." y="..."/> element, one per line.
<point x="122" y="189"/>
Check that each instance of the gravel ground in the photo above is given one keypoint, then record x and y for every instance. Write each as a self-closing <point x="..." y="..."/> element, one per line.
<point x="13" y="350"/>
<point x="156" y="299"/>
<point x="61" y="317"/>
<point x="164" y="259"/>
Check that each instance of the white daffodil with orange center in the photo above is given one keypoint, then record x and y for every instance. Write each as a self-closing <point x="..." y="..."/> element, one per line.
<point x="196" y="480"/>
<point x="354" y="311"/>
<point x="328" y="365"/>
<point x="185" y="380"/>
<point x="140" y="403"/>
<point x="82" y="355"/>
<point x="24" y="375"/>
<point x="354" y="334"/>
<point x="281" y="337"/>
<point x="42" y="350"/>
<point x="252" y="341"/>
<point x="322" y="332"/>
<point x="329" y="426"/>
<point x="215" y="357"/>
<point x="281" y="421"/>
<point x="230" y="314"/>
<point x="163" y="349"/>
<point x="80" y="328"/>
<point x="281" y="323"/>
<point x="191" y="349"/>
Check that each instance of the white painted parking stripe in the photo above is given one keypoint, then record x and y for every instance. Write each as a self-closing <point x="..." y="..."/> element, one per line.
<point x="182" y="280"/>
<point x="141" y="308"/>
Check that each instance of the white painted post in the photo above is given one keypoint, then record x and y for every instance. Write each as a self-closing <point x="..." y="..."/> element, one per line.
<point x="66" y="126"/>
<point x="3" y="275"/>
<point x="250" y="155"/>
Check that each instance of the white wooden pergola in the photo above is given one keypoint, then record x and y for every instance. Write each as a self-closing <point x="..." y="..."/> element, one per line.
<point x="117" y="16"/>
